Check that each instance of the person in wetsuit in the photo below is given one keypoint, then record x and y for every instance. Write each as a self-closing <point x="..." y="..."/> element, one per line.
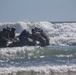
<point x="3" y="40"/>
<point x="43" y="34"/>
<point x="36" y="35"/>
<point x="24" y="37"/>
<point x="12" y="33"/>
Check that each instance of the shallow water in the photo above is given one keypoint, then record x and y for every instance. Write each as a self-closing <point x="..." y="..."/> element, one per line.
<point x="51" y="60"/>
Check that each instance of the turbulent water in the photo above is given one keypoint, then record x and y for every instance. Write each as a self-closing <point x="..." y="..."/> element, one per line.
<point x="59" y="58"/>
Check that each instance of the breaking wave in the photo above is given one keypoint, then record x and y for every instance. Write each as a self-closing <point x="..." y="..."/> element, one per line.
<point x="60" y="34"/>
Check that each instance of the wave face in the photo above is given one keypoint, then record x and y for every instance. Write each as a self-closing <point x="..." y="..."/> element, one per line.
<point x="57" y="59"/>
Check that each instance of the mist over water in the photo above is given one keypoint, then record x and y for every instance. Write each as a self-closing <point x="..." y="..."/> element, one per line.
<point x="59" y="58"/>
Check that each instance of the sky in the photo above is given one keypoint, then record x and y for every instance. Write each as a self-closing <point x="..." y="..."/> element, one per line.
<point x="37" y="10"/>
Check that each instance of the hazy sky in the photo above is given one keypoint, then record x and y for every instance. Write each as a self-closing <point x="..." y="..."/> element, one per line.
<point x="37" y="10"/>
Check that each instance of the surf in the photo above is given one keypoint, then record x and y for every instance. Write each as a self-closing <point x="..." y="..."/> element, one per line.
<point x="59" y="58"/>
<point x="61" y="34"/>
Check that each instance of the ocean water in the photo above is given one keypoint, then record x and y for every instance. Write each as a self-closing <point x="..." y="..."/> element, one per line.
<point x="59" y="58"/>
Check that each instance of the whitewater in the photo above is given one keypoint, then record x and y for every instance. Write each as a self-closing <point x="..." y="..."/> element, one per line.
<point x="59" y="58"/>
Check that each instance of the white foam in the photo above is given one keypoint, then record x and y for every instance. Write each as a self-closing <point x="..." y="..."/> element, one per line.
<point x="47" y="70"/>
<point x="15" y="51"/>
